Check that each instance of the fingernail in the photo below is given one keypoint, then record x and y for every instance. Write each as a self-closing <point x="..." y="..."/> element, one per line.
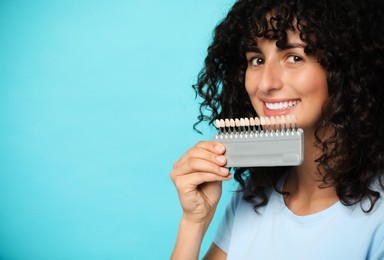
<point x="220" y="158"/>
<point x="224" y="170"/>
<point x="220" y="148"/>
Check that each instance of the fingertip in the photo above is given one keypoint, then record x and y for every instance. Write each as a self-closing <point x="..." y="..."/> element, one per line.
<point x="224" y="170"/>
<point x="221" y="159"/>
<point x="220" y="148"/>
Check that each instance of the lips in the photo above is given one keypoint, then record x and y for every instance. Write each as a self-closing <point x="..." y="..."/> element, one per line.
<point x="281" y="105"/>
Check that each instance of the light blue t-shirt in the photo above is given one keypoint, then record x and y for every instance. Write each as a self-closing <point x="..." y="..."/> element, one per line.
<point x="338" y="232"/>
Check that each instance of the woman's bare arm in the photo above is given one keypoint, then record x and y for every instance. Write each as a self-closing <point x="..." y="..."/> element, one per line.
<point x="198" y="177"/>
<point x="215" y="253"/>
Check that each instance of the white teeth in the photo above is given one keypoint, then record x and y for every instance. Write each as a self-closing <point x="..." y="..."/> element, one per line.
<point x="281" y="105"/>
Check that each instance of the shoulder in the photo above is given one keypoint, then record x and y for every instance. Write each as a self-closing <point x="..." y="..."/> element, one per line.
<point x="224" y="231"/>
<point x="371" y="207"/>
<point x="233" y="204"/>
<point x="376" y="221"/>
<point x="378" y="208"/>
<point x="237" y="198"/>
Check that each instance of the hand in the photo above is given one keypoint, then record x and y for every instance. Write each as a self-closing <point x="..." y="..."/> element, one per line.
<point x="198" y="177"/>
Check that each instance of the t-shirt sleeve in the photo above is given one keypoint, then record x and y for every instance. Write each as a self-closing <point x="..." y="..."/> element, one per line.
<point x="223" y="234"/>
<point x="378" y="244"/>
<point x="379" y="253"/>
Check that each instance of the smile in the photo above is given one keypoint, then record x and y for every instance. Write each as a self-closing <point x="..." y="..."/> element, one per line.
<point x="282" y="105"/>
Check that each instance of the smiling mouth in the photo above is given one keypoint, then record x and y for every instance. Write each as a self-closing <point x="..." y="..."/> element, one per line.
<point x="282" y="105"/>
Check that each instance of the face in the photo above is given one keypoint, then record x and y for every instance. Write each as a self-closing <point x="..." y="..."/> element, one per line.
<point x="286" y="81"/>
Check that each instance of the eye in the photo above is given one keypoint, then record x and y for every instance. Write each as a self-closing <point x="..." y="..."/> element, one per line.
<point x="256" y="61"/>
<point x="294" y="59"/>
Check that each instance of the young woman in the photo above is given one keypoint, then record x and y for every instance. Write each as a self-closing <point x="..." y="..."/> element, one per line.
<point x="323" y="62"/>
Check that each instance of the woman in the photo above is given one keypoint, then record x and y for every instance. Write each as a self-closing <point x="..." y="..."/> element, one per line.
<point x="323" y="62"/>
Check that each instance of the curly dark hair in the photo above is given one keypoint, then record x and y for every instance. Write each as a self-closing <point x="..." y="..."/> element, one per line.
<point x="347" y="36"/>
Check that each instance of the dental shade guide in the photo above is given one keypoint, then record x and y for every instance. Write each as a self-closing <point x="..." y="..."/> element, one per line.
<point x="261" y="142"/>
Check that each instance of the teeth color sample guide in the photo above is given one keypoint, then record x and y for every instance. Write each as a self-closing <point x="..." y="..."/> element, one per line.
<point x="264" y="141"/>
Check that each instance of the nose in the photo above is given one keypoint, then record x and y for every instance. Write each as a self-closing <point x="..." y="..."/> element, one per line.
<point x="270" y="77"/>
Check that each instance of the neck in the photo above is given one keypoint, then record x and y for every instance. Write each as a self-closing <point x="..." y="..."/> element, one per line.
<point x="303" y="185"/>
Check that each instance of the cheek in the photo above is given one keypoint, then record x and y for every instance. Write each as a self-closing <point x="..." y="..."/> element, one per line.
<point x="251" y="82"/>
<point x="319" y="90"/>
<point x="248" y="83"/>
<point x="315" y="94"/>
<point x="313" y="84"/>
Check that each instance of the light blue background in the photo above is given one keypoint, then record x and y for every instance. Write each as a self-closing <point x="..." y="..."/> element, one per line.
<point x="95" y="105"/>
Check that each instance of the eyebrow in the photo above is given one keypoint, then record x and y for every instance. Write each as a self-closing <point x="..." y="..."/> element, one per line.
<point x="282" y="48"/>
<point x="292" y="46"/>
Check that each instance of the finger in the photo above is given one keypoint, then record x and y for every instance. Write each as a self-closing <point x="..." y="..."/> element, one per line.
<point x="211" y="146"/>
<point x="194" y="165"/>
<point x="191" y="181"/>
<point x="197" y="152"/>
<point x="214" y="147"/>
